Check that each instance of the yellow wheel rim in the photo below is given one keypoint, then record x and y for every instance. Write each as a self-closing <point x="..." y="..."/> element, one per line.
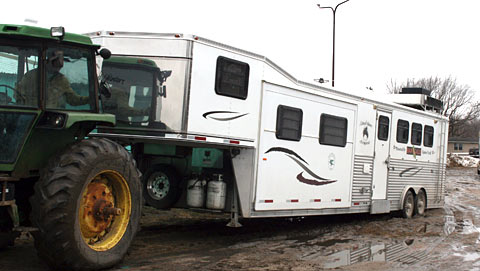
<point x="104" y="211"/>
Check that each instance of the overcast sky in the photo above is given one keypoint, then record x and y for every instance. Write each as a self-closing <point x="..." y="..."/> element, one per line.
<point x="376" y="40"/>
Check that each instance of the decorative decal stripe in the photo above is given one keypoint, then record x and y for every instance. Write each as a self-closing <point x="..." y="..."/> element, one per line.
<point x="297" y="159"/>
<point x="312" y="182"/>
<point x="236" y="115"/>
<point x="410" y="172"/>
<point x="287" y="151"/>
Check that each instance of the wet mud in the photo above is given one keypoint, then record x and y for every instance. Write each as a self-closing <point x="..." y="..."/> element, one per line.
<point x="443" y="239"/>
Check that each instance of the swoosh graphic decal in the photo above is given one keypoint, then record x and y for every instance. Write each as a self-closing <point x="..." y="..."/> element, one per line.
<point x="312" y="182"/>
<point x="287" y="151"/>
<point x="298" y="160"/>
<point x="207" y="114"/>
<point x="409" y="172"/>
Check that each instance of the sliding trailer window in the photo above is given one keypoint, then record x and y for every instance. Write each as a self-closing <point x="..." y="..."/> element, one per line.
<point x="428" y="136"/>
<point x="416" y="134"/>
<point x="383" y="128"/>
<point x="403" y="127"/>
<point x="289" y="123"/>
<point x="333" y="130"/>
<point x="231" y="78"/>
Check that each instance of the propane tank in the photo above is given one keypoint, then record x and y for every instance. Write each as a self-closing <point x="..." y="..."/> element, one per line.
<point x="216" y="194"/>
<point x="196" y="192"/>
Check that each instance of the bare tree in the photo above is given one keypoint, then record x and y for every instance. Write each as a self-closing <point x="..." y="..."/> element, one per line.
<point x="459" y="103"/>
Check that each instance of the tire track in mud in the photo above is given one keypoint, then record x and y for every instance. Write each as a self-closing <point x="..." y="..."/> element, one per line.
<point x="183" y="240"/>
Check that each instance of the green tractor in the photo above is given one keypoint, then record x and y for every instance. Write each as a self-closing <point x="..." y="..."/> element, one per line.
<point x="140" y="102"/>
<point x="80" y="197"/>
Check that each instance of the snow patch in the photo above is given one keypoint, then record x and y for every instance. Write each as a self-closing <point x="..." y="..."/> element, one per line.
<point x="455" y="160"/>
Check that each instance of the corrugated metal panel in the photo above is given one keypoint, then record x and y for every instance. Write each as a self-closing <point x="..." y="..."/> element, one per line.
<point x="403" y="173"/>
<point x="395" y="251"/>
<point x="360" y="255"/>
<point x="362" y="181"/>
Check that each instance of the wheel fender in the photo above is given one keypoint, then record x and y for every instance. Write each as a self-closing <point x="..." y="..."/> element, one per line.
<point x="415" y="189"/>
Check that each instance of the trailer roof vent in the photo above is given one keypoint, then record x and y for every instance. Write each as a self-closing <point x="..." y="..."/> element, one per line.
<point x="415" y="91"/>
<point x="418" y="98"/>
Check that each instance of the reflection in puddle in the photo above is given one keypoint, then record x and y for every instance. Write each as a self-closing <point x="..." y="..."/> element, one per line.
<point x="450" y="224"/>
<point x="397" y="252"/>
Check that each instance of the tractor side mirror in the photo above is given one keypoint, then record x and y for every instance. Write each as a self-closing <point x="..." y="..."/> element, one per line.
<point x="163" y="91"/>
<point x="105" y="53"/>
<point x="163" y="78"/>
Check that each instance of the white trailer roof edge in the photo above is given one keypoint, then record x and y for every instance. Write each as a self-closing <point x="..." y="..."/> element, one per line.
<point x="269" y="62"/>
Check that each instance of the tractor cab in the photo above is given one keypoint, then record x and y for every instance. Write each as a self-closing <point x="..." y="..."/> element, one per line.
<point x="47" y="79"/>
<point x="147" y="94"/>
<point x="137" y="89"/>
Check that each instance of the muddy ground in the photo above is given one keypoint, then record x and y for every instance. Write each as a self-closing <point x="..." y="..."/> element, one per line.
<point x="445" y="239"/>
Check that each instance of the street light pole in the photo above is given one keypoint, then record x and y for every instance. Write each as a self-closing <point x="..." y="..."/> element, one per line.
<point x="334" y="10"/>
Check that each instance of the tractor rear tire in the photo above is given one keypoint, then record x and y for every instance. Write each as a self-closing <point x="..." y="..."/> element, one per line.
<point x="87" y="206"/>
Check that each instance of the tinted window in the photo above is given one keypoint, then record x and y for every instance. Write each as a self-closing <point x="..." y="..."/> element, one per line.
<point x="333" y="130"/>
<point x="19" y="78"/>
<point x="69" y="79"/>
<point x="428" y="136"/>
<point x="416" y="134"/>
<point x="289" y="123"/>
<point x="232" y="78"/>
<point x="13" y="130"/>
<point x="383" y="127"/>
<point x="402" y="131"/>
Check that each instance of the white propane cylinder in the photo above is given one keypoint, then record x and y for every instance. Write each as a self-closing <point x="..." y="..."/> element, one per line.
<point x="216" y="194"/>
<point x="195" y="193"/>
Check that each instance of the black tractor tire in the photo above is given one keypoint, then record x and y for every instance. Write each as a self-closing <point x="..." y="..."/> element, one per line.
<point x="60" y="202"/>
<point x="161" y="186"/>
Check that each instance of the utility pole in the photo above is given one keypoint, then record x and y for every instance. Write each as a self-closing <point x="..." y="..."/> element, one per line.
<point x="334" y="10"/>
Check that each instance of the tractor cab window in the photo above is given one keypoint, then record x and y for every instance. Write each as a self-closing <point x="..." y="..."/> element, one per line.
<point x="69" y="79"/>
<point x="131" y="87"/>
<point x="19" y="79"/>
<point x="146" y="91"/>
<point x="17" y="63"/>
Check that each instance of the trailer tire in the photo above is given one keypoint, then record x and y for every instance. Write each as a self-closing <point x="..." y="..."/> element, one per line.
<point x="408" y="205"/>
<point x="87" y="206"/>
<point x="420" y="203"/>
<point x="161" y="187"/>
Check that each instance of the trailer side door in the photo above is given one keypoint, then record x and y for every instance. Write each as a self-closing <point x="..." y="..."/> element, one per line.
<point x="380" y="163"/>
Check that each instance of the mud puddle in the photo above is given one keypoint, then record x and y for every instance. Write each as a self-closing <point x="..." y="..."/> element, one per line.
<point x="444" y="239"/>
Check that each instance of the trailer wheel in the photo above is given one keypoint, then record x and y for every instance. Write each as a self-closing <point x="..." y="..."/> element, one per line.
<point x="161" y="187"/>
<point x="87" y="206"/>
<point x="420" y="203"/>
<point x="408" y="205"/>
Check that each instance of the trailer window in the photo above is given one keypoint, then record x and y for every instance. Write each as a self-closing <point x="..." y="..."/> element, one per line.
<point x="383" y="128"/>
<point x="289" y="123"/>
<point x="402" y="131"/>
<point x="416" y="134"/>
<point x="333" y="130"/>
<point x="231" y="78"/>
<point x="428" y="136"/>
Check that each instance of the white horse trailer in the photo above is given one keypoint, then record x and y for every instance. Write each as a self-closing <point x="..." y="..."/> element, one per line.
<point x="295" y="148"/>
